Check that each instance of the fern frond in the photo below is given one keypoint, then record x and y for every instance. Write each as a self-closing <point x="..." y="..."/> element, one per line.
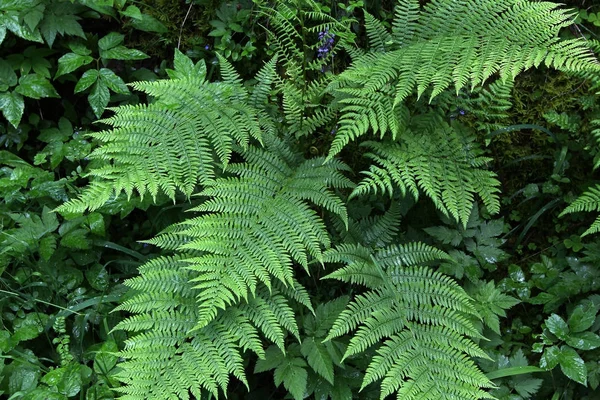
<point x="445" y="164"/>
<point x="404" y="25"/>
<point x="379" y="38"/>
<point x="167" y="358"/>
<point x="257" y="224"/>
<point x="371" y="231"/>
<point x="588" y="201"/>
<point x="168" y="146"/>
<point x="422" y="315"/>
<point x="460" y="44"/>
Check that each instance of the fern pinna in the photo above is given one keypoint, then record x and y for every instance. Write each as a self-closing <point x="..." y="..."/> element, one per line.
<point x="229" y="278"/>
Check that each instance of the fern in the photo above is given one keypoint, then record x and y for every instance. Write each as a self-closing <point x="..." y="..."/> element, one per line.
<point x="421" y="315"/>
<point x="141" y="152"/>
<point x="452" y="43"/>
<point x="208" y="303"/>
<point x="446" y="164"/>
<point x="588" y="201"/>
<point x="304" y="81"/>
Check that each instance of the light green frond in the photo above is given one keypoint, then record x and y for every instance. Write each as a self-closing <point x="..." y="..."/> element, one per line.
<point x="445" y="164"/>
<point x="379" y="38"/>
<point x="168" y="146"/>
<point x="588" y="201"/>
<point x="404" y="25"/>
<point x="424" y="319"/>
<point x="459" y="44"/>
<point x="256" y="226"/>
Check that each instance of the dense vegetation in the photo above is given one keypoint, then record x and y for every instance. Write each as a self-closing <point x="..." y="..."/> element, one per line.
<point x="299" y="199"/>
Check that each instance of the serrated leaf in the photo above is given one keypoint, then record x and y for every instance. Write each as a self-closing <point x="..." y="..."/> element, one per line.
<point x="557" y="326"/>
<point x="76" y="239"/>
<point x="34" y="15"/>
<point x="111" y="40"/>
<point x="79" y="48"/>
<point x="273" y="358"/>
<point x="88" y="78"/>
<point x="293" y="375"/>
<point x="122" y="53"/>
<point x="63" y="24"/>
<point x="2" y="32"/>
<point x="99" y="98"/>
<point x="70" y="62"/>
<point x="549" y="359"/>
<point x="132" y="12"/>
<point x="114" y="82"/>
<point x="582" y="317"/>
<point x="183" y="64"/>
<point x="148" y="23"/>
<point x="47" y="247"/>
<point x="8" y="77"/>
<point x="12" y="106"/>
<point x="105" y="359"/>
<point x="35" y="86"/>
<point x="584" y="340"/>
<point x="527" y="387"/>
<point x="572" y="365"/>
<point x="13" y="24"/>
<point x="318" y="358"/>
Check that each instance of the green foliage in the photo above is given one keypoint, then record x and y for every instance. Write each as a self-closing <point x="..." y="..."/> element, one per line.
<point x="286" y="267"/>
<point x="444" y="162"/>
<point x="588" y="201"/>
<point x="164" y="164"/>
<point x="450" y="43"/>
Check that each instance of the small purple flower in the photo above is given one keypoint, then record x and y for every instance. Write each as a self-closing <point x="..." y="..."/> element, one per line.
<point x="462" y="112"/>
<point x="327" y="40"/>
<point x="207" y="47"/>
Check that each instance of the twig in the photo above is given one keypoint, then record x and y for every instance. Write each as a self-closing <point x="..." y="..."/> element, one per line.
<point x="183" y="23"/>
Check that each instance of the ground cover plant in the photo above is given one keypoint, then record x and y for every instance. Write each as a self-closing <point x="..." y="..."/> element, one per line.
<point x="360" y="199"/>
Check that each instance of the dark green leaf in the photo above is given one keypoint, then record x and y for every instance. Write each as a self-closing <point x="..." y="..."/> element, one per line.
<point x="132" y="12"/>
<point x="70" y="62"/>
<point x="122" y="53"/>
<point x="97" y="276"/>
<point x="99" y="98"/>
<point x="113" y="82"/>
<point x="47" y="247"/>
<point x="12" y="106"/>
<point x="76" y="239"/>
<point x="584" y="340"/>
<point x="106" y="359"/>
<point x="293" y="375"/>
<point x="318" y="358"/>
<point x="60" y="22"/>
<point x="582" y="317"/>
<point x="88" y="78"/>
<point x="35" y="86"/>
<point x="8" y="77"/>
<point x="148" y="24"/>
<point x="34" y="15"/>
<point x="557" y="326"/>
<point x="572" y="365"/>
<point x="549" y="359"/>
<point x="273" y="358"/>
<point x="111" y="40"/>
<point x="29" y="327"/>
